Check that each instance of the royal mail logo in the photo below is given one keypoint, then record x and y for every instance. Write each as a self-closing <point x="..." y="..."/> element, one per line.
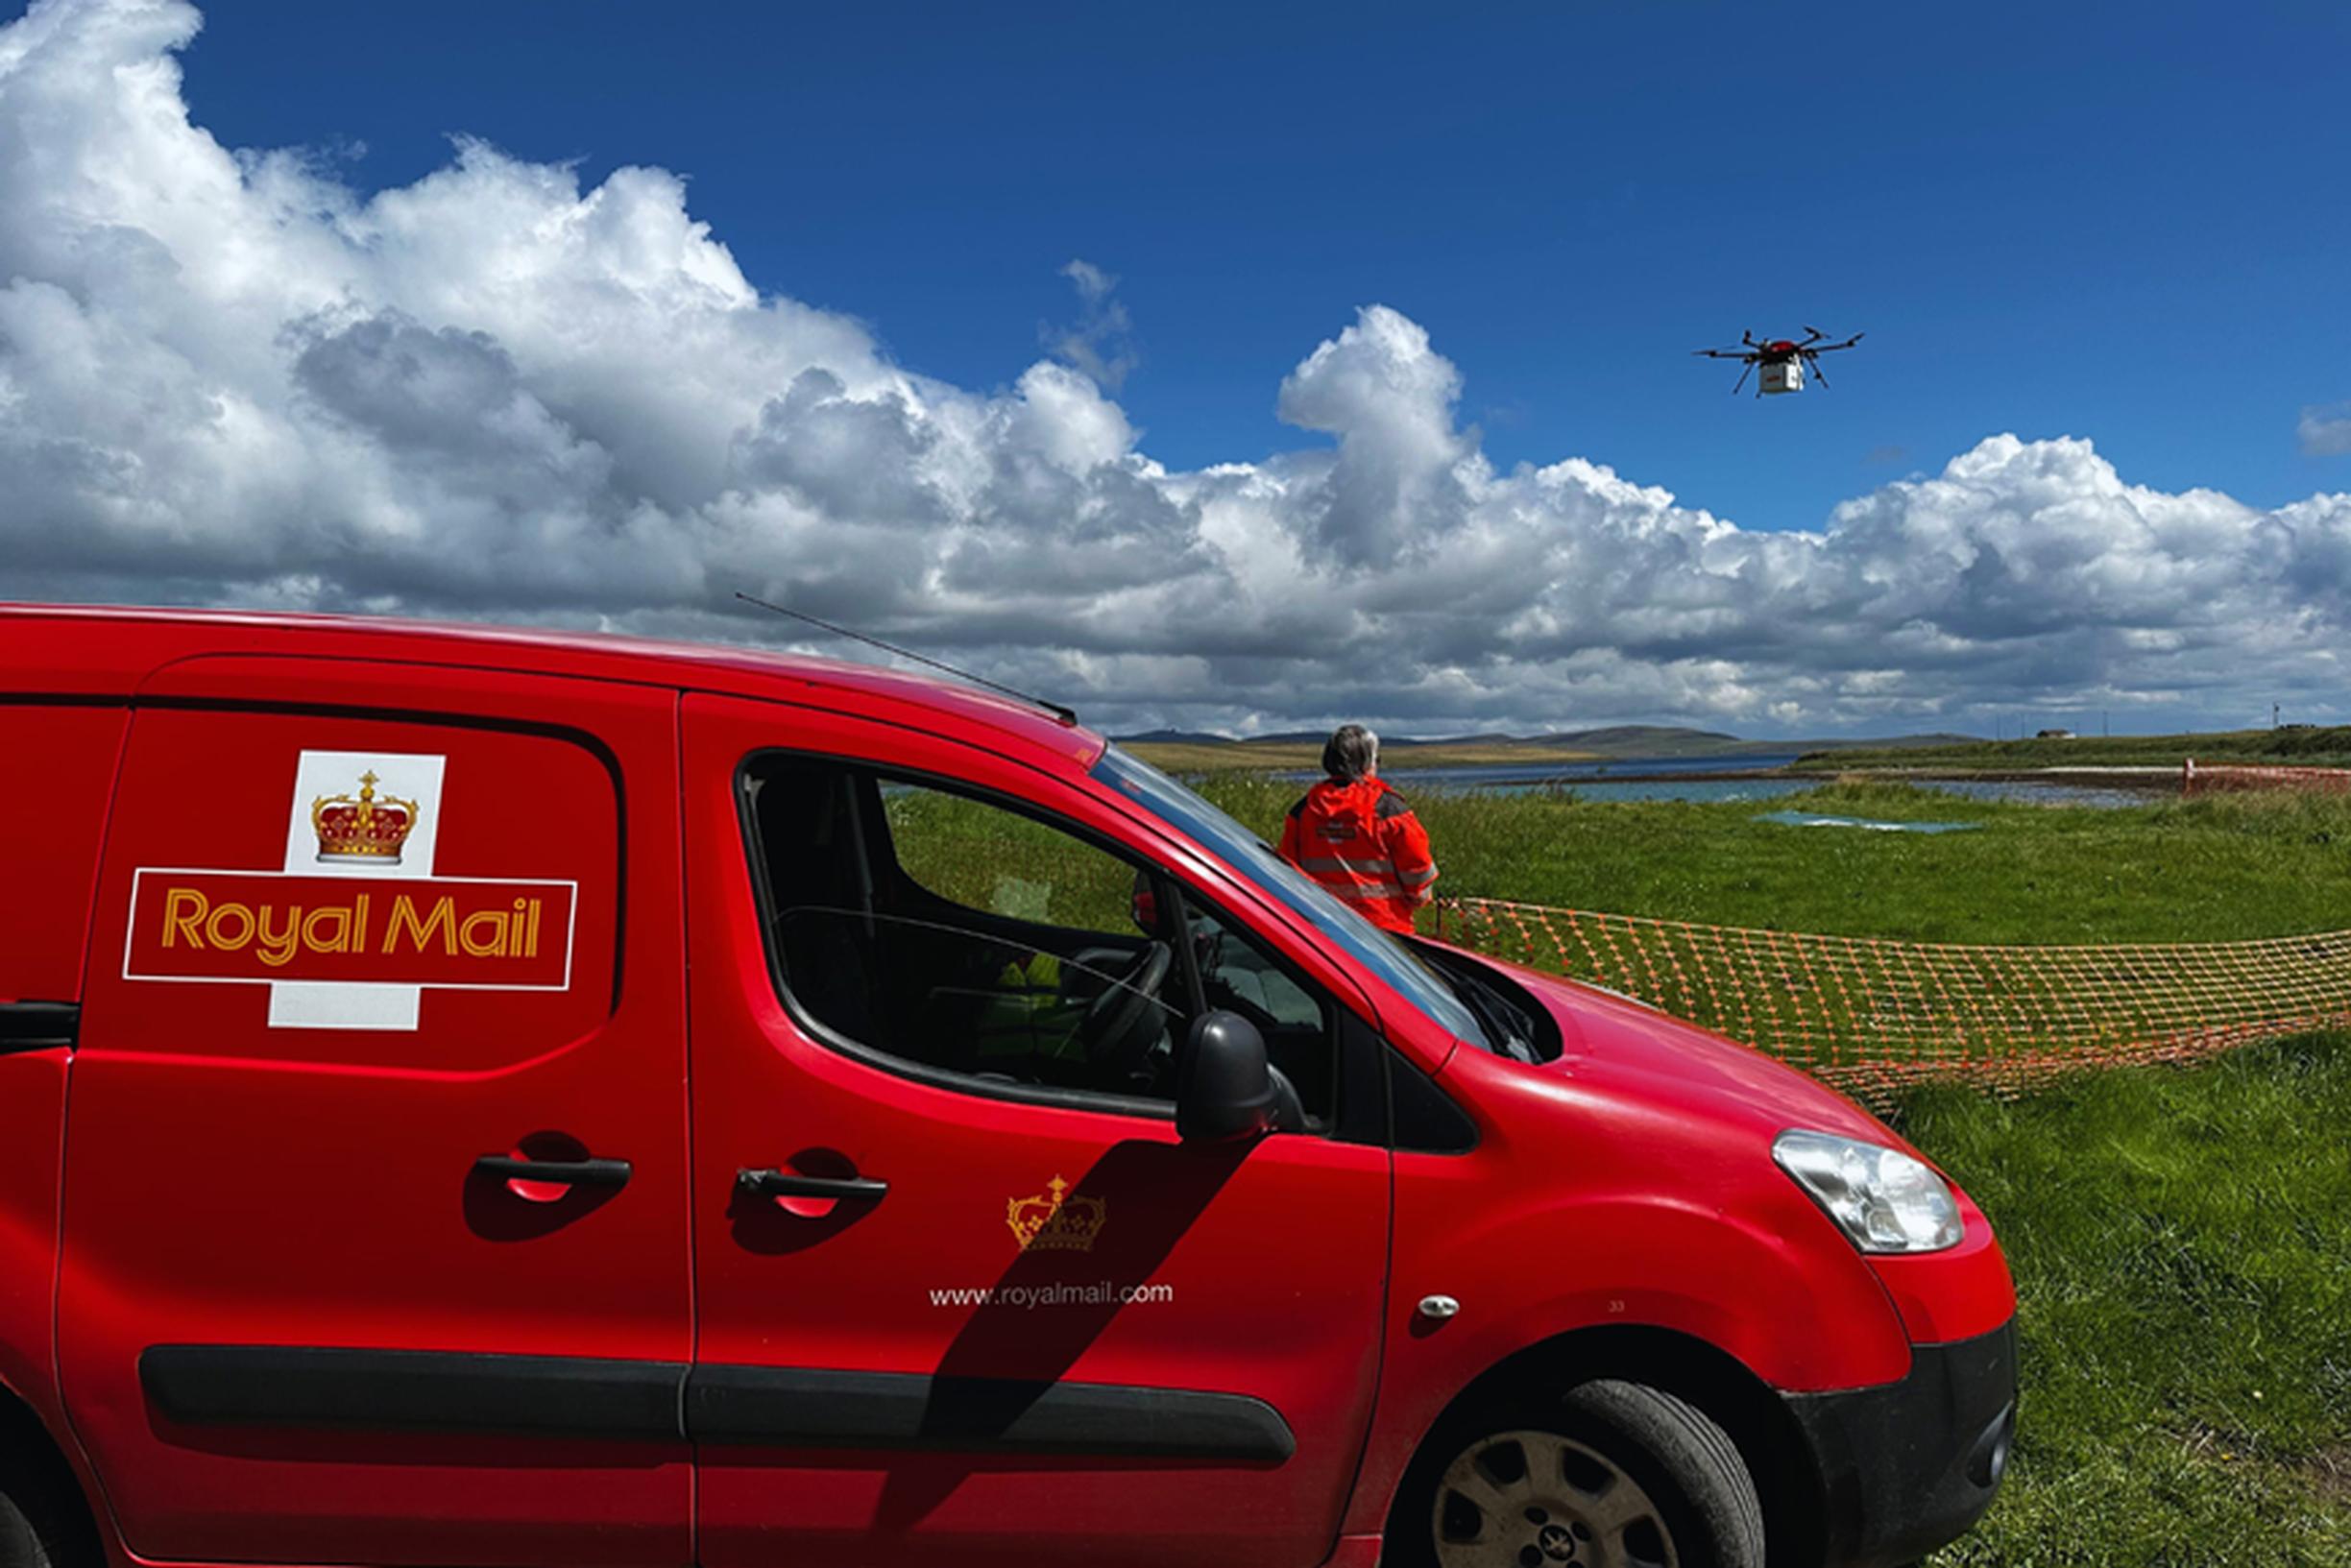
<point x="361" y="826"/>
<point x="355" y="924"/>
<point x="1054" y="1221"/>
<point x="189" y="924"/>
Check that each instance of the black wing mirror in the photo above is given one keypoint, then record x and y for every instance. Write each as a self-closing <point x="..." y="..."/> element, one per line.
<point x="1226" y="1090"/>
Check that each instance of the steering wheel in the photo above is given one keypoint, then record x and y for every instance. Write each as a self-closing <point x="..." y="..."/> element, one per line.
<point x="1121" y="1024"/>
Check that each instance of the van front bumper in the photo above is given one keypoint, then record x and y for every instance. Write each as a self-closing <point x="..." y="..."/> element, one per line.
<point x="1909" y="1466"/>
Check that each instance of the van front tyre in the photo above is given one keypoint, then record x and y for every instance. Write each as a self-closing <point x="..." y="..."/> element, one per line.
<point x="1612" y="1475"/>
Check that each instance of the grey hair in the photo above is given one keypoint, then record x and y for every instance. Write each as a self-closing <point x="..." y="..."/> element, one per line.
<point x="1352" y="752"/>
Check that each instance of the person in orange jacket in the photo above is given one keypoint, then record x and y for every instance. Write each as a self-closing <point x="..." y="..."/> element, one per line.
<point x="1356" y="836"/>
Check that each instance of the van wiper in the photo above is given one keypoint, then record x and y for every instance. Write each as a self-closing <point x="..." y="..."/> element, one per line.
<point x="1506" y="1027"/>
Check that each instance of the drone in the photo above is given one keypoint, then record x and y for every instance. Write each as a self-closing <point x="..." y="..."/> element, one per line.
<point x="1783" y="360"/>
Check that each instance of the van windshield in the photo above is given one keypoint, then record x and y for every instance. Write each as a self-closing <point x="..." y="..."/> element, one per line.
<point x="1246" y="852"/>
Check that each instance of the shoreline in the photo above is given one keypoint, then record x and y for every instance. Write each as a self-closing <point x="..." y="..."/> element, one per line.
<point x="2149" y="781"/>
<point x="2152" y="780"/>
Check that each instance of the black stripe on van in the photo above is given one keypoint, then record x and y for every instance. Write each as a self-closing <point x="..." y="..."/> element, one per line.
<point x="38" y="1025"/>
<point x="797" y="1407"/>
<point x="564" y="1396"/>
<point x="415" y="1390"/>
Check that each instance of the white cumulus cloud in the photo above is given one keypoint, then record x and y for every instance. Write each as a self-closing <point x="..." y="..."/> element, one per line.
<point x="1101" y="341"/>
<point x="226" y="377"/>
<point x="2325" y="431"/>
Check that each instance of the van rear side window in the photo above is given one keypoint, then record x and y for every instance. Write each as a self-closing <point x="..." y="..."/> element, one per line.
<point x="369" y="892"/>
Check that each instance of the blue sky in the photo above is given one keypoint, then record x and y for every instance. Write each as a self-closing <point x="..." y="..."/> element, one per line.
<point x="2050" y="220"/>
<point x="593" y="315"/>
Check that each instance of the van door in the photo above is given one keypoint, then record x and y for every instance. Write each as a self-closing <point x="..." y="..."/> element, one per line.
<point x="963" y="1296"/>
<point x="374" y="1218"/>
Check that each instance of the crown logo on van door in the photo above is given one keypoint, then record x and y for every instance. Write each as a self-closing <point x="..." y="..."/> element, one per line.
<point x="362" y="827"/>
<point x="1052" y="1221"/>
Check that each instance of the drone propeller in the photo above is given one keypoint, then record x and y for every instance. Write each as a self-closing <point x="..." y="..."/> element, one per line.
<point x="1817" y="334"/>
<point x="1847" y="343"/>
<point x="1723" y="353"/>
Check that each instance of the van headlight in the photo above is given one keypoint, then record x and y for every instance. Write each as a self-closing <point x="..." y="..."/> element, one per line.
<point x="1882" y="1198"/>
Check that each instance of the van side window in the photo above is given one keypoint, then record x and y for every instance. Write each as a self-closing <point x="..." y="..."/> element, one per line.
<point x="955" y="934"/>
<point x="990" y="861"/>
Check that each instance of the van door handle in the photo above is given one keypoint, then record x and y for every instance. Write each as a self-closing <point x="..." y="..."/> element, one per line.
<point x="792" y="1183"/>
<point x="560" y="1172"/>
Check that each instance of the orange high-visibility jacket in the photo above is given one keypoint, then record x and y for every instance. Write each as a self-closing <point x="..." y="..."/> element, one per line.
<point x="1362" y="843"/>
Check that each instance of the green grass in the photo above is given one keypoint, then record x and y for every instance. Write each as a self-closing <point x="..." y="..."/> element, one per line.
<point x="982" y="856"/>
<point x="2209" y="869"/>
<point x="2181" y="1242"/>
<point x="2316" y="745"/>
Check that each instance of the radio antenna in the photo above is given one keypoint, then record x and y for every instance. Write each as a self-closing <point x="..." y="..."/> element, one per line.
<point x="1067" y="715"/>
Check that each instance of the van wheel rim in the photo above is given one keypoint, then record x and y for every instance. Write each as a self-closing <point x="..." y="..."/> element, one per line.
<point x="1538" y="1500"/>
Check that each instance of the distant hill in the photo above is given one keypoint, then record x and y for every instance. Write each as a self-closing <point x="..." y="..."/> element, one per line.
<point x="1652" y="740"/>
<point x="1173" y="737"/>
<point x="1622" y="740"/>
<point x="1210" y="737"/>
<point x="1674" y="740"/>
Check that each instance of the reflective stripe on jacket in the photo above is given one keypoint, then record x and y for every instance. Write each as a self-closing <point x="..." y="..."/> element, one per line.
<point x="1361" y="842"/>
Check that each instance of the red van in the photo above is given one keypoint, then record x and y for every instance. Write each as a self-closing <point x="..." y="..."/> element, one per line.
<point x="479" y="1097"/>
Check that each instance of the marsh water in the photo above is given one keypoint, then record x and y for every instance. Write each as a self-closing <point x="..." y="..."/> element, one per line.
<point x="1702" y="779"/>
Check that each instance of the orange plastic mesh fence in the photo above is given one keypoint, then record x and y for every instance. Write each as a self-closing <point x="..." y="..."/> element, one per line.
<point x="1874" y="1017"/>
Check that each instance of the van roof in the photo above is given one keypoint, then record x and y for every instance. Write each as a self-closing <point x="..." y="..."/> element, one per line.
<point x="109" y="651"/>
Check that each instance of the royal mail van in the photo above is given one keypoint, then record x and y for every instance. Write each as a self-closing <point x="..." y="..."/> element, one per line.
<point x="488" y="1098"/>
